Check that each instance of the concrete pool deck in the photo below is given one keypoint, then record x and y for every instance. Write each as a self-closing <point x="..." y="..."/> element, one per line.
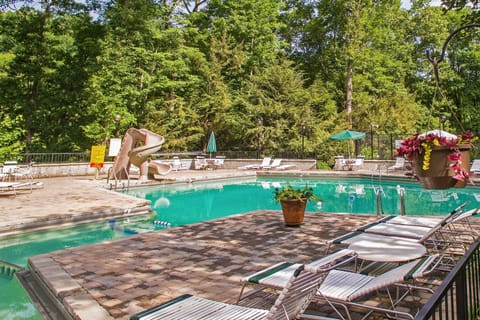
<point x="71" y="199"/>
<point x="116" y="279"/>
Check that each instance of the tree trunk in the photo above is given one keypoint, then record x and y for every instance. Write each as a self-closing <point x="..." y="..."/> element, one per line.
<point x="349" y="94"/>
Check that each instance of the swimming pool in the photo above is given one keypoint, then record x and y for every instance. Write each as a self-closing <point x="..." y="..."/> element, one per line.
<point x="187" y="203"/>
<point x="14" y="303"/>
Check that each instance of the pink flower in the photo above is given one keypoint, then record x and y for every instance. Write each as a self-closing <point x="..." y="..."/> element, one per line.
<point x="455" y="157"/>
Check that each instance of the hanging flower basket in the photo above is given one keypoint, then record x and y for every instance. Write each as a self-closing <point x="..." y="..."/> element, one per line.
<point x="439" y="161"/>
<point x="441" y="173"/>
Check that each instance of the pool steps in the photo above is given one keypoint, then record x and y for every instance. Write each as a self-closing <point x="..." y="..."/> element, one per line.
<point x="8" y="269"/>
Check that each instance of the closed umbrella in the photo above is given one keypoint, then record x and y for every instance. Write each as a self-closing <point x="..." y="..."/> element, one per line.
<point x="212" y="144"/>
<point x="348" y="135"/>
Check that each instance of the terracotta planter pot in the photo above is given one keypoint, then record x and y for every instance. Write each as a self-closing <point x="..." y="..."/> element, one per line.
<point x="439" y="174"/>
<point x="293" y="211"/>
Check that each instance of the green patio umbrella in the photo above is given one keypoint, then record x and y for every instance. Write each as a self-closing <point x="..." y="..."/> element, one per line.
<point x="348" y="135"/>
<point x="212" y="144"/>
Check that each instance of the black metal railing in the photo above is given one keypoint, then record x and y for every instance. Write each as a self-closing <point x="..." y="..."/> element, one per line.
<point x="54" y="157"/>
<point x="458" y="297"/>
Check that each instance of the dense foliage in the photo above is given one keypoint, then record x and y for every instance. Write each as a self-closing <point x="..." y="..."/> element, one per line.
<point x="260" y="73"/>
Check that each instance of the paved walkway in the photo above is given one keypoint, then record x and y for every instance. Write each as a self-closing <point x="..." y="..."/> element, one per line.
<point x="70" y="199"/>
<point x="61" y="200"/>
<point x="117" y="279"/>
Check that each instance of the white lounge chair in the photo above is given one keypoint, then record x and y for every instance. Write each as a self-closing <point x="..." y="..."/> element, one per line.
<point x="23" y="172"/>
<point x="441" y="237"/>
<point x="265" y="162"/>
<point x="399" y="164"/>
<point x="177" y="164"/>
<point x="285" y="167"/>
<point x="353" y="290"/>
<point x="275" y="163"/>
<point x="346" y="288"/>
<point x="12" y="188"/>
<point x="290" y="303"/>
<point x="277" y="275"/>
<point x="475" y="167"/>
<point x="8" y="170"/>
<point x="218" y="162"/>
<point x="201" y="163"/>
<point x="358" y="163"/>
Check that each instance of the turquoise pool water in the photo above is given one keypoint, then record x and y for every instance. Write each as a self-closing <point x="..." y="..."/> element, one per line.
<point x="187" y="203"/>
<point x="14" y="303"/>
<point x="177" y="205"/>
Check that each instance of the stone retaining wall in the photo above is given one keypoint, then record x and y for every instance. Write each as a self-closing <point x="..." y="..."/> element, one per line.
<point x="83" y="169"/>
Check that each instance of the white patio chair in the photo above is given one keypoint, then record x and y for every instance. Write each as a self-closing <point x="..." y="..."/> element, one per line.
<point x="290" y="303"/>
<point x="399" y="165"/>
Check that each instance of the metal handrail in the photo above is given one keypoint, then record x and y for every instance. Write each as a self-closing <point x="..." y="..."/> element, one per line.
<point x="379" y="201"/>
<point x="110" y="170"/>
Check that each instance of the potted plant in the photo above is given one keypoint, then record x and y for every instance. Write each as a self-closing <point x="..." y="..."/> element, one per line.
<point x="293" y="202"/>
<point x="440" y="161"/>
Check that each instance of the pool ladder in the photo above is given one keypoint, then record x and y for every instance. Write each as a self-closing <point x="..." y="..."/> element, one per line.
<point x="8" y="269"/>
<point x="114" y="185"/>
<point x="401" y="194"/>
<point x="379" y="201"/>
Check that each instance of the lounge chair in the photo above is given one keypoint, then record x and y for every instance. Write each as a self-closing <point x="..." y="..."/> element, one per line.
<point x="201" y="163"/>
<point x="396" y="230"/>
<point x="275" y="163"/>
<point x="441" y="238"/>
<point x="290" y="303"/>
<point x="339" y="163"/>
<point x="177" y="164"/>
<point x="358" y="163"/>
<point x="23" y="172"/>
<point x="218" y="162"/>
<point x="399" y="164"/>
<point x="277" y="275"/>
<point x="8" y="170"/>
<point x="346" y="288"/>
<point x="12" y="188"/>
<point x="265" y="162"/>
<point x="285" y="167"/>
<point x="475" y="167"/>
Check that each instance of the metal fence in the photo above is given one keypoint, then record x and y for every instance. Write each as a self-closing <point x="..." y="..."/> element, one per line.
<point x="63" y="157"/>
<point x="373" y="147"/>
<point x="79" y="157"/>
<point x="458" y="297"/>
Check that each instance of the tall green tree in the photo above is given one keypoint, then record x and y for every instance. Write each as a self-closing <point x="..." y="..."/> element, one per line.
<point x="45" y="80"/>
